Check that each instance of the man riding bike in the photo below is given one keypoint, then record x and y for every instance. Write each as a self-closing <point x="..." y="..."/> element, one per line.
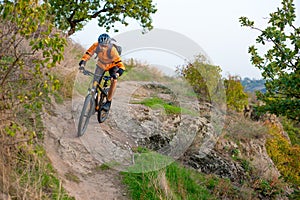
<point x="108" y="60"/>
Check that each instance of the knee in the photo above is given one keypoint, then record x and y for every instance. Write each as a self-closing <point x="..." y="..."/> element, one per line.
<point x="114" y="81"/>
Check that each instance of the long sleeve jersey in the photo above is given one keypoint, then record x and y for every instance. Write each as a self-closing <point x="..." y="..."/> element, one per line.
<point x="107" y="55"/>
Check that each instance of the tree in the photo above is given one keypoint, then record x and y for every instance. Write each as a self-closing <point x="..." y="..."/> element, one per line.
<point x="205" y="79"/>
<point x="280" y="65"/>
<point x="29" y="47"/>
<point x="72" y="15"/>
<point x="236" y="98"/>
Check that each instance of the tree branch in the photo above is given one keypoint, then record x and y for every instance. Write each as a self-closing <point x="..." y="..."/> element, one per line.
<point x="8" y="71"/>
<point x="73" y="23"/>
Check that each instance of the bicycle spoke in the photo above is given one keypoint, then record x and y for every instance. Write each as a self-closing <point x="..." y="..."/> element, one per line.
<point x="87" y="111"/>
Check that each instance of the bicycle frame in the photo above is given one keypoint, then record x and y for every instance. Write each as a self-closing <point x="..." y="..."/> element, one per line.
<point x="93" y="102"/>
<point x="105" y="78"/>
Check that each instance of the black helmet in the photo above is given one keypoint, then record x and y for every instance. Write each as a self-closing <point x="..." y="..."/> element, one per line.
<point x="104" y="39"/>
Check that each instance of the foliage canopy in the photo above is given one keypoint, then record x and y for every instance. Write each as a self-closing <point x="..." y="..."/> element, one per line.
<point x="72" y="15"/>
<point x="204" y="78"/>
<point x="280" y="65"/>
<point x="29" y="47"/>
<point x="236" y="98"/>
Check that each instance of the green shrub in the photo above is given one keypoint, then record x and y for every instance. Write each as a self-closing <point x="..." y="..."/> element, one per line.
<point x="292" y="130"/>
<point x="285" y="156"/>
<point x="204" y="78"/>
<point x="236" y="98"/>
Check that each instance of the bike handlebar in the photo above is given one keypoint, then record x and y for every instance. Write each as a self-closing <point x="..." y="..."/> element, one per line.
<point x="89" y="73"/>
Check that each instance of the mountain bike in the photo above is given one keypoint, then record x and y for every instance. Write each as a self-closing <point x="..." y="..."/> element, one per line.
<point x="93" y="102"/>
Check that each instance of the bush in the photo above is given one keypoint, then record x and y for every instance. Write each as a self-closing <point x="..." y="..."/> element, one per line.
<point x="292" y="130"/>
<point x="285" y="156"/>
<point x="236" y="98"/>
<point x="204" y="78"/>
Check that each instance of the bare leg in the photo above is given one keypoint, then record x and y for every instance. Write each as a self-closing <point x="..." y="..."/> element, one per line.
<point x="112" y="89"/>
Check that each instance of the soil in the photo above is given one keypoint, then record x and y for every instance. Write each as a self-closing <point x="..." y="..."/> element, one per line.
<point x="80" y="161"/>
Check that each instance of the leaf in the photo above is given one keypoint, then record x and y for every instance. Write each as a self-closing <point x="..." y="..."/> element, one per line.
<point x="280" y="65"/>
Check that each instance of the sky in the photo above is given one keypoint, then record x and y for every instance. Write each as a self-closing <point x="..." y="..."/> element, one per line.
<point x="212" y="24"/>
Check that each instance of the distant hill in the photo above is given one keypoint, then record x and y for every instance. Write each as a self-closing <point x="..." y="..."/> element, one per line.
<point x="252" y="85"/>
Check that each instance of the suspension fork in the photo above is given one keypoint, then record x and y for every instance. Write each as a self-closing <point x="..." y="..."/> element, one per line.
<point x="96" y="94"/>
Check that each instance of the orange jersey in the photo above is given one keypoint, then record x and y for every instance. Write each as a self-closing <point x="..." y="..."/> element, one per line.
<point x="108" y="56"/>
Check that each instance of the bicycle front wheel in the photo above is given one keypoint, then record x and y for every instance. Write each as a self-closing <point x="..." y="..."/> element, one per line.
<point x="86" y="113"/>
<point x="103" y="114"/>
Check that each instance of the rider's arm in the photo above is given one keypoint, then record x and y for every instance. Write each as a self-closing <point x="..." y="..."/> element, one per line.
<point x="90" y="52"/>
<point x="117" y="59"/>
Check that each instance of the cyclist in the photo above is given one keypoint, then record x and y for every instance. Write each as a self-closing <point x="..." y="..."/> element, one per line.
<point x="108" y="60"/>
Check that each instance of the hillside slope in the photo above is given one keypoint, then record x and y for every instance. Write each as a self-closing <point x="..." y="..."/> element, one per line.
<point x="149" y="112"/>
<point x="90" y="165"/>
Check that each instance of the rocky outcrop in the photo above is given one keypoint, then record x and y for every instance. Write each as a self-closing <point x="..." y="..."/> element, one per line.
<point x="252" y="153"/>
<point x="194" y="138"/>
<point x="216" y="163"/>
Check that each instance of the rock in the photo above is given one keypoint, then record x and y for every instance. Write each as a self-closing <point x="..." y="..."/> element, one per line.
<point x="215" y="163"/>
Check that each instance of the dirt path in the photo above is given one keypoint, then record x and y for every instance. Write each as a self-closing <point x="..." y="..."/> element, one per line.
<point x="79" y="160"/>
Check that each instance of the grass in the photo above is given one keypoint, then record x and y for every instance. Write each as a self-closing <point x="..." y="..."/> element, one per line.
<point x="169" y="107"/>
<point x="66" y="89"/>
<point x="183" y="183"/>
<point x="102" y="167"/>
<point x="82" y="86"/>
<point x="72" y="177"/>
<point x="157" y="103"/>
<point x="178" y="182"/>
<point x="155" y="176"/>
<point x="239" y="129"/>
<point x="30" y="173"/>
<point x="148" y="161"/>
<point x="32" y="176"/>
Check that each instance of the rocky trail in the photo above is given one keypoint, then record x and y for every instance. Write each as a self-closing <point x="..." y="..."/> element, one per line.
<point x="78" y="160"/>
<point x="90" y="166"/>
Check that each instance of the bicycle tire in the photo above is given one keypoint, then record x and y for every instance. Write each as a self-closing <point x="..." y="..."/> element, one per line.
<point x="102" y="114"/>
<point x="86" y="113"/>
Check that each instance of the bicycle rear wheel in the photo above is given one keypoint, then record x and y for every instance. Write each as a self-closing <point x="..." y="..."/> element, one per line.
<point x="86" y="113"/>
<point x="103" y="114"/>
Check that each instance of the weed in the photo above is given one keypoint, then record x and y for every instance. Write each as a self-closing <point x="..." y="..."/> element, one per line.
<point x="58" y="98"/>
<point x="235" y="153"/>
<point x="72" y="177"/>
<point x="141" y="72"/>
<point x="240" y="129"/>
<point x="104" y="167"/>
<point x="269" y="188"/>
<point x="66" y="84"/>
<point x="246" y="165"/>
